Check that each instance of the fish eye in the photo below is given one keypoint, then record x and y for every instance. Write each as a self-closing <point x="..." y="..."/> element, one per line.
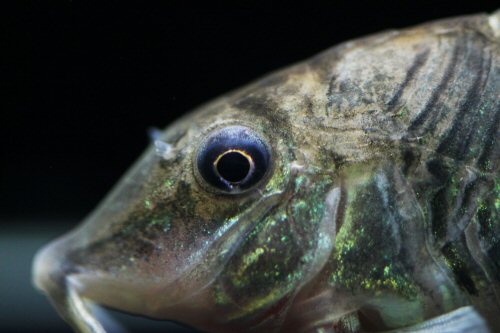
<point x="233" y="159"/>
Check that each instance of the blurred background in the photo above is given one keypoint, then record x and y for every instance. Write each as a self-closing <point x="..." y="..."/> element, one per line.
<point x="81" y="84"/>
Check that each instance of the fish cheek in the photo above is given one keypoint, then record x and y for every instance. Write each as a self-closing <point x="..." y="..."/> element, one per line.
<point x="277" y="256"/>
<point x="163" y="236"/>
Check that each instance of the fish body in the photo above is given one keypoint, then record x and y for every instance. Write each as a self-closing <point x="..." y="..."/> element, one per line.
<point x="356" y="191"/>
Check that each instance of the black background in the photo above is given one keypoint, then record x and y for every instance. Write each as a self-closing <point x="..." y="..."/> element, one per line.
<point x="80" y="84"/>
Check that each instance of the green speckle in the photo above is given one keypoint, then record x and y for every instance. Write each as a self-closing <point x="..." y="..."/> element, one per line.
<point x="357" y="268"/>
<point x="169" y="183"/>
<point x="299" y="181"/>
<point x="300" y="206"/>
<point x="254" y="256"/>
<point x="221" y="297"/>
<point x="148" y="204"/>
<point x="403" y="113"/>
<point x="164" y="222"/>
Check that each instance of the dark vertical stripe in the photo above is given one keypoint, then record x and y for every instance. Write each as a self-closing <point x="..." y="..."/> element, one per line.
<point x="418" y="62"/>
<point x="489" y="144"/>
<point x="443" y="84"/>
<point x="461" y="262"/>
<point x="411" y="158"/>
<point x="331" y="88"/>
<point x="439" y="202"/>
<point x="458" y="139"/>
<point x="440" y="210"/>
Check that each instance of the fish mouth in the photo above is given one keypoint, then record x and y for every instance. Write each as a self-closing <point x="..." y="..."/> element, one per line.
<point x="55" y="278"/>
<point x="78" y="293"/>
<point x="78" y="290"/>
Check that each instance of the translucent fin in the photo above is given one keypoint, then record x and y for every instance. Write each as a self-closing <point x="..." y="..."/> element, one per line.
<point x="462" y="320"/>
<point x="494" y="21"/>
<point x="154" y="134"/>
<point x="163" y="149"/>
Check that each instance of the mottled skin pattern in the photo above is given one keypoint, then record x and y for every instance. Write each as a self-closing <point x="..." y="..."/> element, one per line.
<point x="380" y="210"/>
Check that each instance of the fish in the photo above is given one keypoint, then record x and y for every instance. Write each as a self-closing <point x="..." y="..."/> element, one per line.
<point x="358" y="190"/>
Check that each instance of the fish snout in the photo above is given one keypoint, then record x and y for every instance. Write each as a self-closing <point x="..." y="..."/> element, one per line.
<point x="52" y="274"/>
<point x="50" y="267"/>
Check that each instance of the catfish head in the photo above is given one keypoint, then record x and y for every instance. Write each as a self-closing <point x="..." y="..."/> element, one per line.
<point x="340" y="186"/>
<point x="217" y="225"/>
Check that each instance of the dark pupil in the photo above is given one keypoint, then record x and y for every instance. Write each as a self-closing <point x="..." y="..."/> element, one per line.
<point x="233" y="167"/>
